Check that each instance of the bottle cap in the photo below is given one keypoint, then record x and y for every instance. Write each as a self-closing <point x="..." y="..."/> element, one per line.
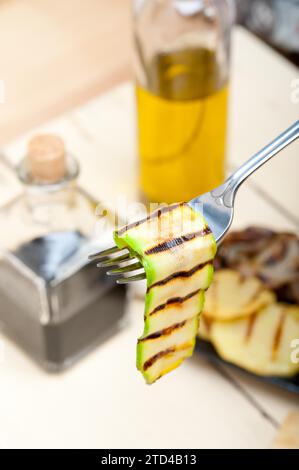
<point x="46" y="158"/>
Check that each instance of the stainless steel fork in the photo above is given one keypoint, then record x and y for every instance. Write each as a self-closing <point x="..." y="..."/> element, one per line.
<point x="217" y="207"/>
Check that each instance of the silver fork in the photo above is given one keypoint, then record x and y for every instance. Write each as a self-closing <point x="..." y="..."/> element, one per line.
<point x="217" y="207"/>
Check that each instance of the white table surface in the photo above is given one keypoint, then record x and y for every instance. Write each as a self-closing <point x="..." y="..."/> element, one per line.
<point x="102" y="401"/>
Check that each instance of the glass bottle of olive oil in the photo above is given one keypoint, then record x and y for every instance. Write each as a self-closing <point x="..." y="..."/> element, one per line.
<point x="182" y="57"/>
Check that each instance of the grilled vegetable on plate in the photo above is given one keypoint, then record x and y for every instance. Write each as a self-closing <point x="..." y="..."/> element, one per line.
<point x="233" y="296"/>
<point x="260" y="343"/>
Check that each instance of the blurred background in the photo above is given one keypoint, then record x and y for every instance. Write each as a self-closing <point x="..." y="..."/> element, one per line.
<point x="274" y="21"/>
<point x="75" y="56"/>
<point x="152" y="101"/>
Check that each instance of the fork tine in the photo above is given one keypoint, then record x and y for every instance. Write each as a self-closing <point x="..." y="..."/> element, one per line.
<point x="113" y="261"/>
<point x="124" y="269"/>
<point x="126" y="280"/>
<point x="104" y="253"/>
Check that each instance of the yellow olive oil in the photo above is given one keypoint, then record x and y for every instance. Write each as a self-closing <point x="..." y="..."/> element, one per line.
<point x="181" y="126"/>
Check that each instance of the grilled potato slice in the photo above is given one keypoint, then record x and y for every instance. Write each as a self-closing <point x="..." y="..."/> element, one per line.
<point x="232" y="296"/>
<point x="261" y="343"/>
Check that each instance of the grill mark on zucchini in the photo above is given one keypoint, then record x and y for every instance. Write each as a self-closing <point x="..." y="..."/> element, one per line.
<point x="174" y="300"/>
<point x="164" y="332"/>
<point x="278" y="334"/>
<point x="179" y="274"/>
<point x="152" y="360"/>
<point x="156" y="214"/>
<point x="173" y="242"/>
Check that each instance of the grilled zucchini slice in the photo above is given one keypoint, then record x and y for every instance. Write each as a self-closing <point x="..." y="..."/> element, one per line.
<point x="176" y="249"/>
<point x="205" y="325"/>
<point x="260" y="343"/>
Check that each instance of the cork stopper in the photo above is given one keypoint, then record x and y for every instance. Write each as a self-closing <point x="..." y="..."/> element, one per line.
<point x="46" y="158"/>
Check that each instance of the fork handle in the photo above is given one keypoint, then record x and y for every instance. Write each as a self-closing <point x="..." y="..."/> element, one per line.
<point x="227" y="191"/>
